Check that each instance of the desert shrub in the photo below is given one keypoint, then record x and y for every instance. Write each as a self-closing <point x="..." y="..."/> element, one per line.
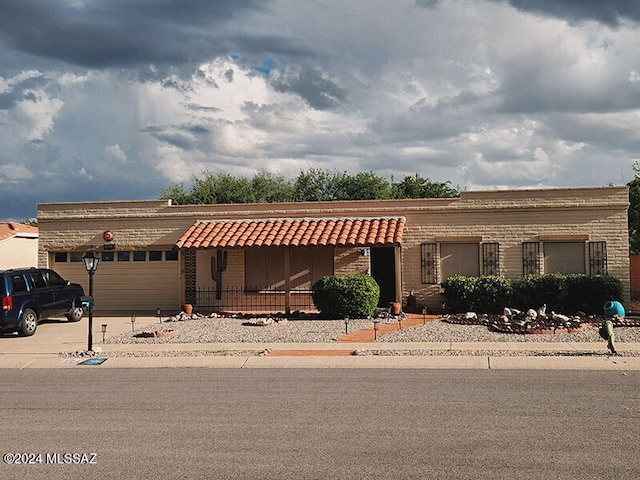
<point x="533" y="291"/>
<point x="589" y="294"/>
<point x="561" y="293"/>
<point x="338" y="296"/>
<point x="492" y="294"/>
<point x="487" y="294"/>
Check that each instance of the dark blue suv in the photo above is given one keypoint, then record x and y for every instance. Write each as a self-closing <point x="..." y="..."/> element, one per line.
<point x="31" y="294"/>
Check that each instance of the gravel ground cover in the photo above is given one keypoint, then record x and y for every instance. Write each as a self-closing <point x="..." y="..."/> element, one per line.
<point x="242" y="330"/>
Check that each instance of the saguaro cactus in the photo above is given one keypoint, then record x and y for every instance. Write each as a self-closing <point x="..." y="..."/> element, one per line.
<point x="218" y="265"/>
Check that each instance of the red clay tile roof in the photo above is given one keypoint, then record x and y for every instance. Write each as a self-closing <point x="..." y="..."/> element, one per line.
<point x="293" y="232"/>
<point x="11" y="229"/>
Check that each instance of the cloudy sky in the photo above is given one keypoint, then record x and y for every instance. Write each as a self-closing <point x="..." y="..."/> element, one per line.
<point x="118" y="99"/>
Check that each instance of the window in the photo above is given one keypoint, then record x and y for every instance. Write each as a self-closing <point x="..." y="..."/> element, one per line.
<point x="530" y="258"/>
<point x="139" y="256"/>
<point x="564" y="257"/>
<point x="598" y="258"/>
<point x="52" y="279"/>
<point x="429" y="262"/>
<point x="155" y="255"/>
<point x="76" y="257"/>
<point x="171" y="255"/>
<point x="491" y="258"/>
<point x="36" y="280"/>
<point x="60" y="257"/>
<point x="107" y="256"/>
<point x="124" y="256"/>
<point x="19" y="284"/>
<point x="459" y="259"/>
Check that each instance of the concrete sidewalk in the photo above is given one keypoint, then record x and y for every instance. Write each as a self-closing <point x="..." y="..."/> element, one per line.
<point x="43" y="350"/>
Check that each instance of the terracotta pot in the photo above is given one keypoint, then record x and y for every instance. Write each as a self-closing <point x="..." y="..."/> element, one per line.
<point x="396" y="308"/>
<point x="187" y="308"/>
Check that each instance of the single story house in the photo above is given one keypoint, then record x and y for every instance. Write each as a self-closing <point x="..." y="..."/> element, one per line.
<point x="18" y="245"/>
<point x="155" y="255"/>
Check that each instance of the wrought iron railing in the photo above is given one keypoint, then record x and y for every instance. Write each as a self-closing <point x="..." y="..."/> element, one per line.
<point x="240" y="299"/>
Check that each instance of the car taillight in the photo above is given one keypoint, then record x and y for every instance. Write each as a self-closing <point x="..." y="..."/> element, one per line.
<point x="7" y="304"/>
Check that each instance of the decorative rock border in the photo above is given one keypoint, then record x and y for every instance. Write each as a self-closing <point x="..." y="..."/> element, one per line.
<point x="542" y="325"/>
<point x="156" y="333"/>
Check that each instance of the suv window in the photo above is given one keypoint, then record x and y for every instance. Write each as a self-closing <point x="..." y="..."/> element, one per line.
<point x="36" y="280"/>
<point x="19" y="283"/>
<point x="53" y="279"/>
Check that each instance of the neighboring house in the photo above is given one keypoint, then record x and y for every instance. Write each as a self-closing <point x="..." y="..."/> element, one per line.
<point x="267" y="256"/>
<point x="18" y="245"/>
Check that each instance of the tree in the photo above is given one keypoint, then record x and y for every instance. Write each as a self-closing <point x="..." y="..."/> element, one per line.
<point x="420" y="187"/>
<point x="634" y="210"/>
<point x="364" y="186"/>
<point x="310" y="185"/>
<point x="270" y="188"/>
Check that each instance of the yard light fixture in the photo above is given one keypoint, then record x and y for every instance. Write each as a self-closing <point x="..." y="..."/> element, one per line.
<point x="91" y="261"/>
<point x="346" y="325"/>
<point x="159" y="315"/>
<point x="133" y="322"/>
<point x="375" y="328"/>
<point x="424" y="315"/>
<point x="104" y="331"/>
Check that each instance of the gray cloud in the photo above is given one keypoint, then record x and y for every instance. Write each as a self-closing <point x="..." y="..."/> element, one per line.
<point x="608" y="12"/>
<point x="320" y="91"/>
<point x="485" y="93"/>
<point x="121" y="33"/>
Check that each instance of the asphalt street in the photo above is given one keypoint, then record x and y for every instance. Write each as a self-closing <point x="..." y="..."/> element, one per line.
<point x="319" y="423"/>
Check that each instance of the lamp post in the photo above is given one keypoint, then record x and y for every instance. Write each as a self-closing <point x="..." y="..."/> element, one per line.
<point x="133" y="322"/>
<point x="375" y="329"/>
<point x="346" y="325"/>
<point x="424" y="315"/>
<point x="104" y="331"/>
<point x="91" y="261"/>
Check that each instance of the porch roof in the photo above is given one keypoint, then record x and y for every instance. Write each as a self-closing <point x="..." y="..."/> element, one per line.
<point x="295" y="232"/>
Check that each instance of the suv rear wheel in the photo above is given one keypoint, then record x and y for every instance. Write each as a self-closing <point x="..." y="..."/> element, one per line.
<point x="29" y="323"/>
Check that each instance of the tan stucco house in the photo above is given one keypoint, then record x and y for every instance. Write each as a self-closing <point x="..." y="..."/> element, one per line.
<point x="260" y="256"/>
<point x="18" y="245"/>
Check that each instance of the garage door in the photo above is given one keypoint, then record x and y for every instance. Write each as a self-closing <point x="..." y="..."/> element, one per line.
<point x="127" y="281"/>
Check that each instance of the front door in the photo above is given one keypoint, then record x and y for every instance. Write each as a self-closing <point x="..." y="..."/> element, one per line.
<point x="383" y="270"/>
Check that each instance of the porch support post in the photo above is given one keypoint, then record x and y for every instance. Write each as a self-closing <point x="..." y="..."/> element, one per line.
<point x="287" y="281"/>
<point x="398" y="266"/>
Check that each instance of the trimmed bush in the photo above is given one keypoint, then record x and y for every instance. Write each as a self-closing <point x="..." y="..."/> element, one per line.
<point x="533" y="291"/>
<point x="487" y="294"/>
<point x="339" y="296"/>
<point x="566" y="294"/>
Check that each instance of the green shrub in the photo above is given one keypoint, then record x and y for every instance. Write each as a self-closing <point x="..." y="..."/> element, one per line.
<point x="589" y="294"/>
<point x="338" y="296"/>
<point x="533" y="291"/>
<point x="487" y="294"/>
<point x="566" y="294"/>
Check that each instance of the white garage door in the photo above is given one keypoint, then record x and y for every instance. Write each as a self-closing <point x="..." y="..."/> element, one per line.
<point x="127" y="281"/>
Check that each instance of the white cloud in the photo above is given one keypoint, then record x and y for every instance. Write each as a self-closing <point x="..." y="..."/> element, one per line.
<point x="472" y="91"/>
<point x="114" y="152"/>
